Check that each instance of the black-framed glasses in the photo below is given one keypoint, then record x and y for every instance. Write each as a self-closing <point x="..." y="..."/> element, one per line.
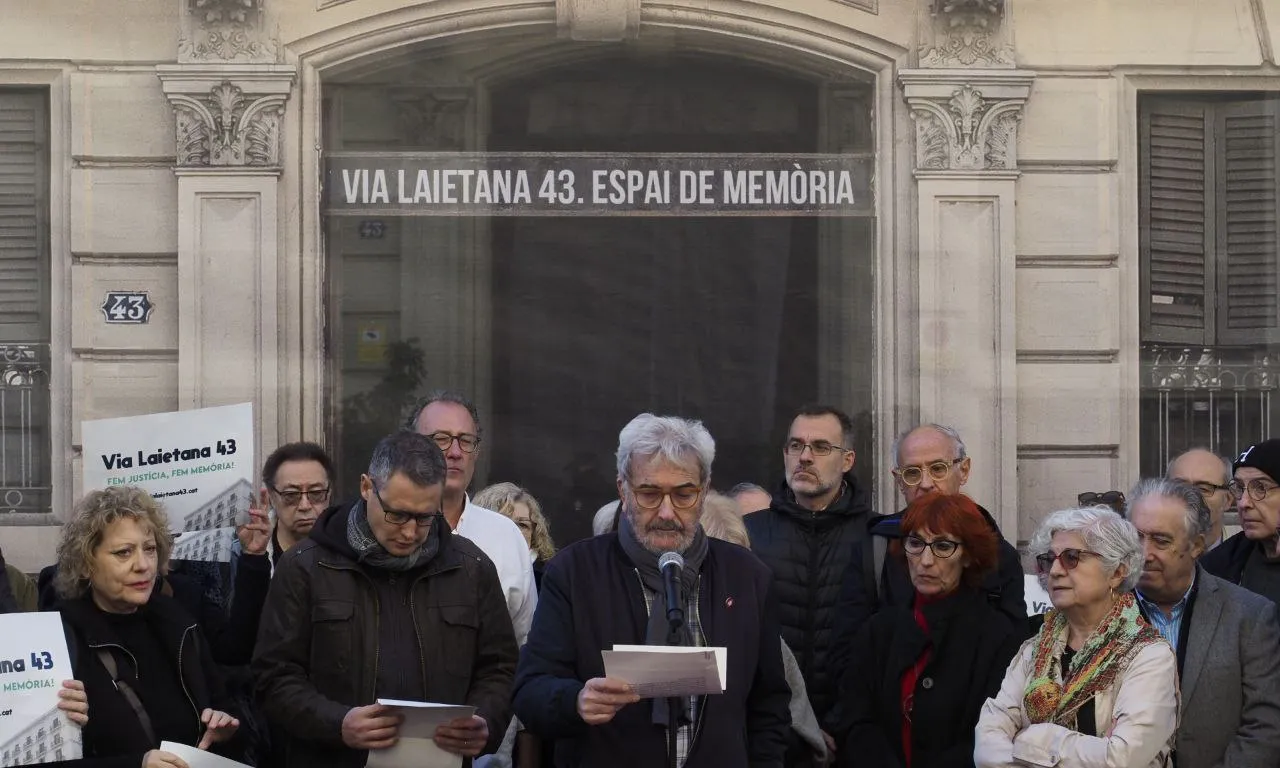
<point x="1207" y="488"/>
<point x="683" y="497"/>
<point x="795" y="447"/>
<point x="1257" y="488"/>
<point x="467" y="442"/>
<point x="938" y="470"/>
<point x="401" y="518"/>
<point x="1070" y="559"/>
<point x="1109" y="498"/>
<point x="942" y="548"/>
<point x="293" y="497"/>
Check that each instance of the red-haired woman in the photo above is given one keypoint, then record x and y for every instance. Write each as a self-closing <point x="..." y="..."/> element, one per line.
<point x="917" y="678"/>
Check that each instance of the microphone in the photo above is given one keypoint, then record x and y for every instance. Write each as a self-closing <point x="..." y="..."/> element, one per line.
<point x="671" y="564"/>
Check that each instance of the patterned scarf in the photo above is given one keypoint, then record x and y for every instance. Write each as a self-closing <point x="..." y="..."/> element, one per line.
<point x="369" y="551"/>
<point x="1106" y="653"/>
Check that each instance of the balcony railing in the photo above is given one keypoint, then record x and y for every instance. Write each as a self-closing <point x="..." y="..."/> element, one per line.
<point x="25" y="475"/>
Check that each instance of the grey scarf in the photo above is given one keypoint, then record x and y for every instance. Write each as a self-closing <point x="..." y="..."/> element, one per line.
<point x="646" y="564"/>
<point x="369" y="551"/>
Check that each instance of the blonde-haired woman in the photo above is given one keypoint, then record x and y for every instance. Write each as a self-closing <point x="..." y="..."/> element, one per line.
<point x="145" y="665"/>
<point x="524" y="510"/>
<point x="1096" y="687"/>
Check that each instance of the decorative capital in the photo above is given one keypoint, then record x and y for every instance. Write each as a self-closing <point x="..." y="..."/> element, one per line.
<point x="966" y="121"/>
<point x="434" y="119"/>
<point x="227" y="30"/>
<point x="228" y="116"/>
<point x="966" y="33"/>
<point x="598" y="20"/>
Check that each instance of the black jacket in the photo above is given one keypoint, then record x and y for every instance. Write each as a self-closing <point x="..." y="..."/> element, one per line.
<point x="1005" y="588"/>
<point x="114" y="729"/>
<point x="231" y="635"/>
<point x="318" y="651"/>
<point x="1227" y="560"/>
<point x="972" y="645"/>
<point x="591" y="600"/>
<point x="808" y="552"/>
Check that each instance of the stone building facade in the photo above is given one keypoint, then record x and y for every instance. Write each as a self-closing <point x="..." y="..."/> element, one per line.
<point x="1052" y="260"/>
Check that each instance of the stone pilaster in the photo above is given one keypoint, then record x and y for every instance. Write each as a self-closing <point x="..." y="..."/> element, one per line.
<point x="228" y="92"/>
<point x="966" y="101"/>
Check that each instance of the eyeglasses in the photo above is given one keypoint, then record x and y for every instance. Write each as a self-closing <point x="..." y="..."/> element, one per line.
<point x="938" y="470"/>
<point x="795" y="447"/>
<point x="941" y="548"/>
<point x="397" y="517"/>
<point x="1258" y="490"/>
<point x="468" y="443"/>
<point x="293" y="498"/>
<point x="1070" y="559"/>
<point x="1207" y="488"/>
<point x="684" y="497"/>
<point x="1109" y="498"/>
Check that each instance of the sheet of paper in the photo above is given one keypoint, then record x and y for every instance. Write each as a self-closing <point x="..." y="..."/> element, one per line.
<point x="33" y="664"/>
<point x="416" y="747"/>
<point x="659" y="670"/>
<point x="198" y="758"/>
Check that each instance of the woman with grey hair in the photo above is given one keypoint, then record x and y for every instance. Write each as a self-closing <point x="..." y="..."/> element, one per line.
<point x="1096" y="687"/>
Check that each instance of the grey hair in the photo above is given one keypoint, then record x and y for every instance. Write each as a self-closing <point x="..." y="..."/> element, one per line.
<point x="443" y="396"/>
<point x="950" y="432"/>
<point x="671" y="438"/>
<point x="1110" y="535"/>
<point x="1196" y="511"/>
<point x="1226" y="462"/>
<point x="415" y="456"/>
<point x="742" y="488"/>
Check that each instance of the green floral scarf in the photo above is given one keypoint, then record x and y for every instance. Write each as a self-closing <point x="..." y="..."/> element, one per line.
<point x="1106" y="653"/>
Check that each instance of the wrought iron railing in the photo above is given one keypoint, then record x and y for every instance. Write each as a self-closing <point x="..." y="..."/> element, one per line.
<point x="25" y="471"/>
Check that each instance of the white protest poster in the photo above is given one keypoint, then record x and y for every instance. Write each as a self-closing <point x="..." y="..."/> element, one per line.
<point x="33" y="664"/>
<point x="197" y="463"/>
<point x="1035" y="595"/>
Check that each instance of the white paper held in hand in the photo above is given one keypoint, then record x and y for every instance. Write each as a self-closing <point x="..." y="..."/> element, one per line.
<point x="417" y="747"/>
<point x="33" y="664"/>
<point x="198" y="758"/>
<point x="660" y="670"/>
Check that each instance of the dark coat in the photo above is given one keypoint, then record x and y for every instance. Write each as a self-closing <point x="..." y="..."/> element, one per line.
<point x="1005" y="588"/>
<point x="592" y="599"/>
<point x="807" y="553"/>
<point x="973" y="643"/>
<point x="1227" y="560"/>
<point x="317" y="654"/>
<point x="114" y="730"/>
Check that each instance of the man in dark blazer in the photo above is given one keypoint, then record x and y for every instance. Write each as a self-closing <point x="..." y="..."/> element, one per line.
<point x="609" y="590"/>
<point x="1227" y="638"/>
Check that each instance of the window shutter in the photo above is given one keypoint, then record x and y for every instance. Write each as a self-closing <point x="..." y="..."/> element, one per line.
<point x="1247" y="244"/>
<point x="24" y="264"/>
<point x="1176" y="228"/>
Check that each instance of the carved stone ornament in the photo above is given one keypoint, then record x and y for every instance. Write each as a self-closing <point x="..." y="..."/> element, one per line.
<point x="966" y="33"/>
<point x="966" y="126"/>
<point x="228" y="120"/>
<point x="226" y="30"/>
<point x="434" y="119"/>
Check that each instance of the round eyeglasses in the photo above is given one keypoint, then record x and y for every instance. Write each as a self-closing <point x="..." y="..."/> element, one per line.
<point x="937" y="470"/>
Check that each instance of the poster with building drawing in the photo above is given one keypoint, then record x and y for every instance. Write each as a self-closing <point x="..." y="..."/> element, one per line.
<point x="33" y="664"/>
<point x="197" y="463"/>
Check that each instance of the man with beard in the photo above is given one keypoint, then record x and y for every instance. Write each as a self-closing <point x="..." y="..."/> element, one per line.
<point x="608" y="590"/>
<point x="1225" y="636"/>
<point x="806" y="536"/>
<point x="382" y="601"/>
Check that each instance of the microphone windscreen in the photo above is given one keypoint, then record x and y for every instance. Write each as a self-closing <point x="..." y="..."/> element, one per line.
<point x="670" y="558"/>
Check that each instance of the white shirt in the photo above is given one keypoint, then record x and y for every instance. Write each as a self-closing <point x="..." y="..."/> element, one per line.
<point x="500" y="538"/>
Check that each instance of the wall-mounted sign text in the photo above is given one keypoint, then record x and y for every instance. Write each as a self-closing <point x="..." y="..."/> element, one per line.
<point x="127" y="307"/>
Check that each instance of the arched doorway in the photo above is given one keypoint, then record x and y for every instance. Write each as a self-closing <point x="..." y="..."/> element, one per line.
<point x="564" y="328"/>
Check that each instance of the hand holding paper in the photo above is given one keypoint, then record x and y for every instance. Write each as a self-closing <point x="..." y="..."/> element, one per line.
<point x="463" y="736"/>
<point x="661" y="670"/>
<point x="74" y="701"/>
<point x="602" y="697"/>
<point x="417" y="743"/>
<point x="375" y="726"/>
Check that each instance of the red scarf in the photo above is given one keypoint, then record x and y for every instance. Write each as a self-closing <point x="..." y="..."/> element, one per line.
<point x="912" y="675"/>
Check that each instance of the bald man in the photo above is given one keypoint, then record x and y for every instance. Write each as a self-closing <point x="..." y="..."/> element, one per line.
<point x="1209" y="474"/>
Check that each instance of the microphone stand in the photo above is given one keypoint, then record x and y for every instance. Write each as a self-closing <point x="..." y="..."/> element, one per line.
<point x="675" y="623"/>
